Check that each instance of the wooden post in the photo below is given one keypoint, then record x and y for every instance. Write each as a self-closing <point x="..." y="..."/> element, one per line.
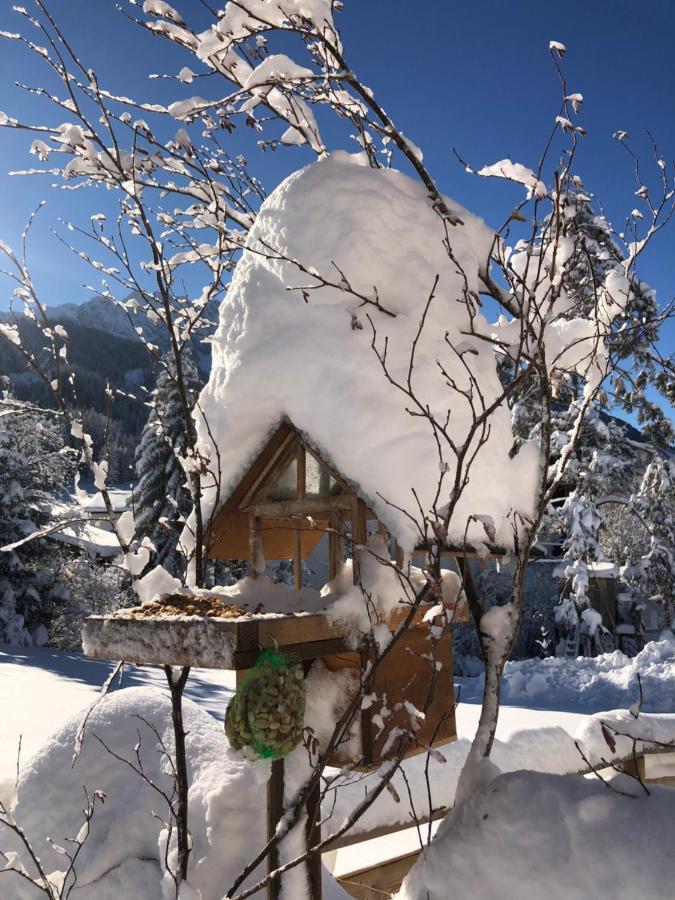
<point x="275" y="810"/>
<point x="297" y="533"/>
<point x="336" y="551"/>
<point x="313" y="832"/>
<point x="254" y="545"/>
<point x="313" y="825"/>
<point x="359" y="534"/>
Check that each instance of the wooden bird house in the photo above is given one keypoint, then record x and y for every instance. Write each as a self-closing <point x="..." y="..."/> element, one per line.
<point x="288" y="501"/>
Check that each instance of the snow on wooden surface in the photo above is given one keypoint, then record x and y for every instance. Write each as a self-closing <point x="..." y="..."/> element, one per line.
<point x="176" y="641"/>
<point x="339" y="609"/>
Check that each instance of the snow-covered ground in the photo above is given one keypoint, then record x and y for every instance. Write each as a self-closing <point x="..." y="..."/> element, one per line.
<point x="588" y="685"/>
<point x="40" y="688"/>
<point x="43" y="692"/>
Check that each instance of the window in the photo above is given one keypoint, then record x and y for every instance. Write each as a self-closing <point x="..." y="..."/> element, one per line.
<point x="286" y="485"/>
<point x="318" y="480"/>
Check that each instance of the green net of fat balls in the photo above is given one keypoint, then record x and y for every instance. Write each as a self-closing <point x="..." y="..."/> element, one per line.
<point x="267" y="711"/>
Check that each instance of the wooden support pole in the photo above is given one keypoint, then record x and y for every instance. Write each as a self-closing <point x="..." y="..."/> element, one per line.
<point x="275" y="810"/>
<point x="254" y="546"/>
<point x="313" y="832"/>
<point x="309" y="506"/>
<point x="313" y="825"/>
<point x="359" y="533"/>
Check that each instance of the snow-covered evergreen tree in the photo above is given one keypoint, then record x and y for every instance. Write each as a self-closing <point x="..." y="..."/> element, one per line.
<point x="161" y="498"/>
<point x="608" y="465"/>
<point x="636" y="363"/>
<point x="34" y="467"/>
<point x="91" y="586"/>
<point x="650" y="575"/>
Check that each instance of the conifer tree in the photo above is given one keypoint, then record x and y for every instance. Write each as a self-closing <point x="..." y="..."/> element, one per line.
<point x="607" y="462"/>
<point x="632" y="343"/>
<point x="161" y="498"/>
<point x="33" y="468"/>
<point x="651" y="575"/>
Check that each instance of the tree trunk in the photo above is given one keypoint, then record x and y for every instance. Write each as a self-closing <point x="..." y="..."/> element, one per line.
<point x="177" y="686"/>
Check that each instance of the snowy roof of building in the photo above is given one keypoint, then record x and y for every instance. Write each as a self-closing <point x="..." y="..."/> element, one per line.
<point x="281" y="352"/>
<point x="118" y="497"/>
<point x="96" y="542"/>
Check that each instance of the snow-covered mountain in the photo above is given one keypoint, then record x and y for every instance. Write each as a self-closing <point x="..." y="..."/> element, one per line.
<point x="105" y="316"/>
<point x="104" y="350"/>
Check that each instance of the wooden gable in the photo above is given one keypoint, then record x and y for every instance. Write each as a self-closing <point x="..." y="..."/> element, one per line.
<point x="288" y="498"/>
<point x="287" y="483"/>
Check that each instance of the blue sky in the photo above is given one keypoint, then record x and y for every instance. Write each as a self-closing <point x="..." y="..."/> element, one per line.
<point x="472" y="75"/>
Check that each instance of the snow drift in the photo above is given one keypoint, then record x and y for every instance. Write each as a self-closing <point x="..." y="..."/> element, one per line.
<point x="588" y="684"/>
<point x="123" y="856"/>
<point x="281" y="351"/>
<point x="526" y="835"/>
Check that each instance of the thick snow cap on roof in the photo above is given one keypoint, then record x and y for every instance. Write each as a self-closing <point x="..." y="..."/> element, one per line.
<point x="278" y="354"/>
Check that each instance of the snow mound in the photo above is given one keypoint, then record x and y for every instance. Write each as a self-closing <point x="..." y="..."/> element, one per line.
<point x="122" y="856"/>
<point x="281" y="351"/>
<point x="589" y="684"/>
<point x="526" y="835"/>
<point x="546" y="749"/>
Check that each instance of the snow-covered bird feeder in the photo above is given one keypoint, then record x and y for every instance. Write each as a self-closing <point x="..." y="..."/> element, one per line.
<point x="292" y="505"/>
<point x="345" y="311"/>
<point x="313" y="454"/>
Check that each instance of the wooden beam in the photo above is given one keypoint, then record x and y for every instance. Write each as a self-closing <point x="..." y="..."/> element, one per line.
<point x="296" y="629"/>
<point x="358" y="837"/>
<point x="359" y="533"/>
<point x="635" y="767"/>
<point x="245" y="659"/>
<point x="326" y="465"/>
<point x="309" y="506"/>
<point x="380" y="881"/>
<point x="273" y="475"/>
<point x="265" y="463"/>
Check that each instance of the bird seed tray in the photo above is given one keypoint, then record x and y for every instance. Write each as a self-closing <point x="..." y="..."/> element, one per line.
<point x="199" y="630"/>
